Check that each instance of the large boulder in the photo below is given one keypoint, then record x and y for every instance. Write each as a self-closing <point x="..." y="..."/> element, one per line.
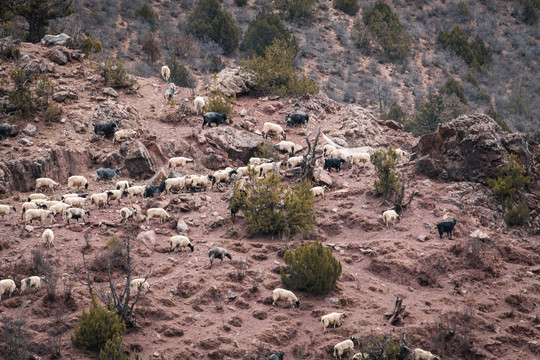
<point x="61" y="39"/>
<point x="239" y="145"/>
<point x="138" y="162"/>
<point x="234" y="81"/>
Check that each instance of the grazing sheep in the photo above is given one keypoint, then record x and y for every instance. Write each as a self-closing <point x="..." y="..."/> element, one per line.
<point x="46" y="183"/>
<point x="5" y="131"/>
<point x="221" y="176"/>
<point x="37" y="196"/>
<point x="201" y="182"/>
<point x="176" y="184"/>
<point x="31" y="282"/>
<point x="165" y="72"/>
<point x="179" y="161"/>
<point x="77" y="181"/>
<point x="296" y="119"/>
<point x="199" y="103"/>
<point x="48" y="237"/>
<point x="278" y="356"/>
<point x="295" y="161"/>
<point x="125" y="135"/>
<point x="390" y="215"/>
<point x="180" y="242"/>
<point x="59" y="208"/>
<point x="76" y="201"/>
<point x="343" y="347"/>
<point x="106" y="130"/>
<point x="67" y="196"/>
<point x="114" y="195"/>
<point x="332" y="319"/>
<point x="127" y="213"/>
<point x="213" y="118"/>
<point x="446" y="227"/>
<point x="137" y="190"/>
<point x="218" y="253"/>
<point x="333" y="163"/>
<point x="259" y="161"/>
<point x="7" y="286"/>
<point x="99" y="199"/>
<point x="28" y="205"/>
<point x="265" y="169"/>
<point x="139" y="285"/>
<point x="327" y="149"/>
<point x="123" y="185"/>
<point x="150" y="190"/>
<point x="106" y="173"/>
<point x="48" y="203"/>
<point x="157" y="213"/>
<point x="36" y="214"/>
<point x="282" y="294"/>
<point x="6" y="210"/>
<point x="419" y="354"/>
<point x="336" y="154"/>
<point x="318" y="191"/>
<point x="169" y="93"/>
<point x="361" y="158"/>
<point x="75" y="213"/>
<point x="287" y="146"/>
<point x="242" y="171"/>
<point x="269" y="127"/>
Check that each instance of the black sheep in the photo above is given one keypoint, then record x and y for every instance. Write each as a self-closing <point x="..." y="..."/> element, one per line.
<point x="107" y="129"/>
<point x="295" y="119"/>
<point x="333" y="163"/>
<point x="5" y="131"/>
<point x="218" y="253"/>
<point x="151" y="189"/>
<point x="213" y="117"/>
<point x="107" y="174"/>
<point x="446" y="227"/>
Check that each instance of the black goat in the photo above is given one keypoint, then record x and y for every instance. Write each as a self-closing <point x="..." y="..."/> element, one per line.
<point x="5" y="131"/>
<point x="295" y="119"/>
<point x="446" y="227"/>
<point x="333" y="163"/>
<point x="278" y="356"/>
<point x="151" y="189"/>
<point x="213" y="117"/>
<point x="107" y="174"/>
<point x="107" y="129"/>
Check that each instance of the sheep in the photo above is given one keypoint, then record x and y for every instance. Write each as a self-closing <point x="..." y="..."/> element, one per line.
<point x="77" y="181"/>
<point x="157" y="213"/>
<point x="46" y="183"/>
<point x="419" y="354"/>
<point x="343" y="347"/>
<point x="151" y="189"/>
<point x="31" y="282"/>
<point x="59" y="209"/>
<point x="137" y="190"/>
<point x="48" y="237"/>
<point x="446" y="227"/>
<point x="180" y="242"/>
<point x="199" y="103"/>
<point x="336" y="154"/>
<point x="75" y="213"/>
<point x="139" y="285"/>
<point x="169" y="93"/>
<point x="327" y="149"/>
<point x="282" y="294"/>
<point x="201" y="183"/>
<point x="114" y="195"/>
<point x="123" y="185"/>
<point x="27" y="206"/>
<point x="127" y="213"/>
<point x="360" y="158"/>
<point x="295" y="119"/>
<point x="5" y="131"/>
<point x="6" y="210"/>
<point x="278" y="356"/>
<point x="99" y="199"/>
<point x="76" y="201"/>
<point x="390" y="215"/>
<point x="274" y="128"/>
<point x="106" y="173"/>
<point x="107" y="129"/>
<point x="221" y="176"/>
<point x="242" y="171"/>
<point x="287" y="146"/>
<point x="400" y="153"/>
<point x="125" y="135"/>
<point x="165" y="72"/>
<point x="295" y="161"/>
<point x="332" y="319"/>
<point x="333" y="163"/>
<point x="7" y="286"/>
<point x="218" y="253"/>
<point x="265" y="169"/>
<point x="176" y="184"/>
<point x="37" y="196"/>
<point x="178" y="162"/>
<point x="259" y="161"/>
<point x="213" y="118"/>
<point x="36" y="214"/>
<point x="67" y="196"/>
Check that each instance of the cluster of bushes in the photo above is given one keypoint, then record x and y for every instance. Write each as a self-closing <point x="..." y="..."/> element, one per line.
<point x="218" y="102"/>
<point x="113" y="71"/>
<point x="349" y="7"/>
<point x="146" y="13"/>
<point x="295" y="9"/>
<point x="151" y="47"/>
<point x="180" y="75"/>
<point x="530" y="11"/>
<point x="475" y="52"/>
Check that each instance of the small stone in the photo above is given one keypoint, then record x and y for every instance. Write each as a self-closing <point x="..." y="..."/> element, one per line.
<point x="110" y="91"/>
<point x="421" y="238"/>
<point x="243" y="112"/>
<point x="29" y="228"/>
<point x="156" y="355"/>
<point x="215" y="213"/>
<point x="25" y="141"/>
<point x="232" y="308"/>
<point x="231" y="295"/>
<point x="182" y="227"/>
<point x="334" y="301"/>
<point x="30" y="130"/>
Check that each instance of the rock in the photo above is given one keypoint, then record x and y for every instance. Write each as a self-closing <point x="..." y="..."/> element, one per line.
<point x="218" y="222"/>
<point x="57" y="56"/>
<point x="480" y="235"/>
<point x="30" y="130"/>
<point x="322" y="177"/>
<point x="243" y="112"/>
<point x="29" y="228"/>
<point x="234" y="81"/>
<point x="138" y="162"/>
<point x="25" y="142"/>
<point x="182" y="227"/>
<point x="148" y="238"/>
<point x="60" y="96"/>
<point x="422" y="238"/>
<point x="61" y="39"/>
<point x="238" y="145"/>
<point x="231" y="295"/>
<point x="110" y="91"/>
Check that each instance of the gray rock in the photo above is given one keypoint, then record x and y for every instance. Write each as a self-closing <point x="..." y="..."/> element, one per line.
<point x="57" y="56"/>
<point x="110" y="91"/>
<point x="480" y="235"/>
<point x="138" y="162"/>
<point x="182" y="227"/>
<point x="30" y="130"/>
<point x="61" y="39"/>
<point x="148" y="238"/>
<point x="25" y="142"/>
<point x="60" y="96"/>
<point x="234" y="81"/>
<point x="239" y="145"/>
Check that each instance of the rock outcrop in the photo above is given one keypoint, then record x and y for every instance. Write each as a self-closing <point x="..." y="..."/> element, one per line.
<point x="237" y="144"/>
<point x="138" y="162"/>
<point x="60" y="39"/>
<point x="234" y="81"/>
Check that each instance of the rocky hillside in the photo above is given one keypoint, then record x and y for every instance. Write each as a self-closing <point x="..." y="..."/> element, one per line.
<point x="474" y="296"/>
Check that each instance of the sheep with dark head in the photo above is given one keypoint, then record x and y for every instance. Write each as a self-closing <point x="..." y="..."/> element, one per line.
<point x="218" y="253"/>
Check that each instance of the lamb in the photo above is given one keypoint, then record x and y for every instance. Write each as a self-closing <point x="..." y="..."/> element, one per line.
<point x="107" y="129"/>
<point x="259" y="161"/>
<point x="176" y="184"/>
<point x="6" y="210"/>
<point x="165" y="72"/>
<point x="77" y="181"/>
<point x="169" y="93"/>
<point x="295" y="119"/>
<point x="274" y="128"/>
<point x="139" y="285"/>
<point x="332" y="319"/>
<point x="360" y="158"/>
<point x="343" y="347"/>
<point x="157" y="213"/>
<point x="127" y="213"/>
<point x="390" y="215"/>
<point x="123" y="185"/>
<point x="446" y="227"/>
<point x="106" y="173"/>
<point x="295" y="161"/>
<point x="287" y="146"/>
<point x="180" y="242"/>
<point x="37" y="196"/>
<point x="137" y="190"/>
<point x="278" y="356"/>
<point x="333" y="163"/>
<point x="282" y="294"/>
<point x="199" y="103"/>
<point x="48" y="237"/>
<point x="178" y="162"/>
<point x="114" y="195"/>
<point x="75" y="213"/>
<point x="151" y="189"/>
<point x="99" y="199"/>
<point x="76" y="201"/>
<point x="327" y="150"/>
<point x="59" y="209"/>
<point x="31" y="282"/>
<point x="213" y="118"/>
<point x="46" y="183"/>
<point x="218" y="253"/>
<point x="7" y="286"/>
<point x="419" y="354"/>
<point x="125" y="135"/>
<point x="36" y="214"/>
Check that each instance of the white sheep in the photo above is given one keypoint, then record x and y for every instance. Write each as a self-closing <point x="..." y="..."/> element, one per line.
<point x="390" y="215"/>
<point x="273" y="128"/>
<point x="419" y="354"/>
<point x="360" y="158"/>
<point x="125" y="135"/>
<point x="221" y="176"/>
<point x="336" y="154"/>
<point x="137" y="190"/>
<point x="99" y="199"/>
<point x="114" y="195"/>
<point x="36" y="214"/>
<point x="332" y="319"/>
<point x="157" y="213"/>
<point x="201" y="182"/>
<point x="67" y="196"/>
<point x="6" y="210"/>
<point x="46" y="183"/>
<point x="165" y="72"/>
<point x="343" y="347"/>
<point x="7" y="286"/>
<point x="199" y="103"/>
<point x="75" y="213"/>
<point x="122" y="185"/>
<point x="242" y="171"/>
<point x="259" y="161"/>
<point x="295" y="161"/>
<point x="400" y="153"/>
<point x="180" y="242"/>
<point x="317" y="191"/>
<point x="327" y="149"/>
<point x="282" y="294"/>
<point x="265" y="169"/>
<point x="77" y="181"/>
<point x="59" y="209"/>
<point x="127" y="213"/>
<point x="48" y="237"/>
<point x="287" y="146"/>
<point x="28" y="205"/>
<point x="31" y="282"/>
<point x="176" y="184"/>
<point x="139" y="285"/>
<point x="37" y="196"/>
<point x="47" y="204"/>
<point x="179" y="161"/>
<point x="75" y="201"/>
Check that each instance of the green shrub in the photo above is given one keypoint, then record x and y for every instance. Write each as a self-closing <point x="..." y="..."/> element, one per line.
<point x="518" y="215"/>
<point x="53" y="112"/>
<point x="90" y="46"/>
<point x="394" y="113"/>
<point x="241" y="2"/>
<point x="385" y="166"/>
<point x="113" y="350"/>
<point x="209" y="21"/>
<point x="275" y="73"/>
<point x="295" y="9"/>
<point x="452" y="86"/>
<point x="146" y="13"/>
<point x="380" y="347"/>
<point x="471" y="79"/>
<point x="113" y="70"/>
<point x="475" y="53"/>
<point x="218" y="102"/>
<point x="349" y="7"/>
<point x="21" y="96"/>
<point x="44" y="88"/>
<point x="96" y="327"/>
<point x="530" y="11"/>
<point x="10" y="50"/>
<point x="311" y="268"/>
<point x="266" y="150"/>
<point x="215" y="64"/>
<point x="262" y="32"/>
<point x="493" y="114"/>
<point x="511" y="178"/>
<point x="387" y="31"/>
<point x="301" y="218"/>
<point x="151" y="48"/>
<point x="180" y="76"/>
<point x="435" y="110"/>
<point x="463" y="8"/>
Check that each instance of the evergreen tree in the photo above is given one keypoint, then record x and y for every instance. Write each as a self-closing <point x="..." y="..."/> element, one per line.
<point x="385" y="166"/>
<point x="452" y="86"/>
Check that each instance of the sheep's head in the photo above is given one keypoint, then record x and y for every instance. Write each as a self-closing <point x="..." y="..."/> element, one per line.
<point x="228" y="255"/>
<point x="297" y="303"/>
<point x="343" y="315"/>
<point x="191" y="247"/>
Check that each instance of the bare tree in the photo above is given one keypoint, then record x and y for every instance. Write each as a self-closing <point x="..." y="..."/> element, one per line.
<point x="399" y="196"/>
<point x="308" y="166"/>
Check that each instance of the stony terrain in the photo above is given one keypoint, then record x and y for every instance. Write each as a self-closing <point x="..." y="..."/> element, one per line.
<point x="474" y="296"/>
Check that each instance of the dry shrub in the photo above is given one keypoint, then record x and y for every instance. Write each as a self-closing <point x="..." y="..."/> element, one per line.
<point x="452" y="334"/>
<point x="235" y="321"/>
<point x="430" y="270"/>
<point x="261" y="315"/>
<point x="520" y="302"/>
